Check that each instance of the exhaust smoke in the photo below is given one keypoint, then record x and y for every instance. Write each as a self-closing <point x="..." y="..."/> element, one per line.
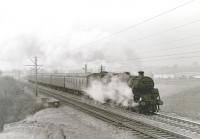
<point x="112" y="89"/>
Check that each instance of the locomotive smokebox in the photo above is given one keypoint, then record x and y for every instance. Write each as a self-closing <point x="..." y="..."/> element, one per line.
<point x="141" y="73"/>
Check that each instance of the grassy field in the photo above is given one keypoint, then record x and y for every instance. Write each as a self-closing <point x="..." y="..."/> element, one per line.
<point x="181" y="97"/>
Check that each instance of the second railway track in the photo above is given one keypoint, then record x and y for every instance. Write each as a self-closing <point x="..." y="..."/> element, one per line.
<point x="176" y="122"/>
<point x="145" y="129"/>
<point x="182" y="123"/>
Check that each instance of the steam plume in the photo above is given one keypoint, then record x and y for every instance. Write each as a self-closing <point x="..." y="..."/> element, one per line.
<point x="115" y="90"/>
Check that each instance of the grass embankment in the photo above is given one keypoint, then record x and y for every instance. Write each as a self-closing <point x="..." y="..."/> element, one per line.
<point x="15" y="103"/>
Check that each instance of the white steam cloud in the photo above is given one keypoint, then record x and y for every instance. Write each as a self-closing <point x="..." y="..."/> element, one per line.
<point x="116" y="90"/>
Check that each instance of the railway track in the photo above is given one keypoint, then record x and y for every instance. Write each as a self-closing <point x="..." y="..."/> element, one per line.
<point x="175" y="122"/>
<point x="142" y="128"/>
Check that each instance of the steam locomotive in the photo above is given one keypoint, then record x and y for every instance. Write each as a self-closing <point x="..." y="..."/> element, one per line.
<point x="145" y="95"/>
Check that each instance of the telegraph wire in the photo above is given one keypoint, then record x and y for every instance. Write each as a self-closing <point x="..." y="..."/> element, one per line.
<point x="151" y="18"/>
<point x="170" y="58"/>
<point x="181" y="58"/>
<point x="172" y="41"/>
<point x="180" y="39"/>
<point x="174" y="54"/>
<point x="177" y="47"/>
<point x="167" y="30"/>
<point x="142" y="22"/>
<point x="165" y="59"/>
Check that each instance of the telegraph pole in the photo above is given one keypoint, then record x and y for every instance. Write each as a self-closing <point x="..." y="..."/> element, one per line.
<point x="36" y="67"/>
<point x="85" y="68"/>
<point x="36" y="72"/>
<point x="101" y="68"/>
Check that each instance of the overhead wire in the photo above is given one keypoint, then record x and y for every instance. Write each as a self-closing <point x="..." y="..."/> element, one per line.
<point x="158" y="33"/>
<point x="148" y="20"/>
<point x="163" y="59"/>
<point x="173" y="54"/>
<point x="170" y="58"/>
<point x="142" y="22"/>
<point x="167" y="30"/>
<point x="176" y="47"/>
<point x="177" y="40"/>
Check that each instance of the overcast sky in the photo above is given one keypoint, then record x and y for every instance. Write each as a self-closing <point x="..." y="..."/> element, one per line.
<point x="66" y="34"/>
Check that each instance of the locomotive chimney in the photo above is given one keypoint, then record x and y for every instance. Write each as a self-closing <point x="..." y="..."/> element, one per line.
<point x="141" y="73"/>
